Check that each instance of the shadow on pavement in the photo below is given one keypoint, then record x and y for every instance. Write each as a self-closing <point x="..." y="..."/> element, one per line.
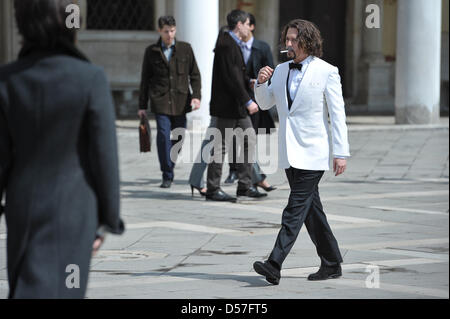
<point x="252" y="281"/>
<point x="154" y="191"/>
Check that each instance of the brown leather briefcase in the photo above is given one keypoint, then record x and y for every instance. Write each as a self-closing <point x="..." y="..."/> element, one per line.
<point x="145" y="135"/>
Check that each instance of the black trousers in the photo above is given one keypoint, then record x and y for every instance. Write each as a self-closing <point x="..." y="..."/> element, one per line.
<point x="304" y="206"/>
<point x="246" y="155"/>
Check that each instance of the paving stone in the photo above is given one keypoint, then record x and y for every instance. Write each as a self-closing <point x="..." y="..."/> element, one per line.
<point x="390" y="207"/>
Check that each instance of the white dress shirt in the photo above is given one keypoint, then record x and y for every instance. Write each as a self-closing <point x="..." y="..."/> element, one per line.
<point x="296" y="77"/>
<point x="168" y="50"/>
<point x="247" y="49"/>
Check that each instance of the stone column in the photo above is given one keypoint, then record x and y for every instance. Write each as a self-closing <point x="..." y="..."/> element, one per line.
<point x="2" y="34"/>
<point x="373" y="37"/>
<point x="198" y="24"/>
<point x="417" y="81"/>
<point x="83" y="12"/>
<point x="267" y="20"/>
<point x="9" y="39"/>
<point x="162" y="8"/>
<point x="374" y="72"/>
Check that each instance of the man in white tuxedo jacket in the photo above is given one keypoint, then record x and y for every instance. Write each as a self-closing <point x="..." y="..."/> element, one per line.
<point x="306" y="91"/>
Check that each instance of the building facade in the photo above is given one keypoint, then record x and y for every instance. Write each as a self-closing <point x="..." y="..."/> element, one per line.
<point x="377" y="45"/>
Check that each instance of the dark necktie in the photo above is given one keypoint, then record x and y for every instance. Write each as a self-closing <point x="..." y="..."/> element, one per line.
<point x="293" y="65"/>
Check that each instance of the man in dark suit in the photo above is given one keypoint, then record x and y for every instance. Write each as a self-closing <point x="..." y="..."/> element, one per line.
<point x="168" y="69"/>
<point x="257" y="55"/>
<point x="231" y="103"/>
<point x="260" y="57"/>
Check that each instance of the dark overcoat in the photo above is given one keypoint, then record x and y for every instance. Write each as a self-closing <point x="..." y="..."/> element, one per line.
<point x="260" y="57"/>
<point x="230" y="82"/>
<point x="166" y="83"/>
<point x="59" y="170"/>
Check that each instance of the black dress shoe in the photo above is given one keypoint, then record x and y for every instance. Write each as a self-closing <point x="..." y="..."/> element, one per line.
<point x="250" y="192"/>
<point x="268" y="270"/>
<point x="166" y="183"/>
<point x="326" y="273"/>
<point x="232" y="177"/>
<point x="220" y="196"/>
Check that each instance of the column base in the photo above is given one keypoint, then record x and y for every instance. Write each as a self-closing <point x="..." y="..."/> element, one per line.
<point x="417" y="114"/>
<point x="376" y="86"/>
<point x="126" y="102"/>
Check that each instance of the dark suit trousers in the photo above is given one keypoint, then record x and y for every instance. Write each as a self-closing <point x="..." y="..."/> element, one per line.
<point x="246" y="157"/>
<point x="304" y="206"/>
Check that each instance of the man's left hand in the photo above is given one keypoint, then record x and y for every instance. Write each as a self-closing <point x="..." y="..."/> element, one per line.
<point x="339" y="166"/>
<point x="195" y="104"/>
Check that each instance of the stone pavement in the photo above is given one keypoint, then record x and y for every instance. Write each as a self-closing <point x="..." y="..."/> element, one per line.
<point x="389" y="213"/>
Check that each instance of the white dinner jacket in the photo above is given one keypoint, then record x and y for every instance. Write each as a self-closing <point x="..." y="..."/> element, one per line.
<point x="304" y="133"/>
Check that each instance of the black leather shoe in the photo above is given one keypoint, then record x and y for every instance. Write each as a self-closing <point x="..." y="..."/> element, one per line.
<point x="232" y="177"/>
<point x="326" y="273"/>
<point x="166" y="183"/>
<point x="220" y="196"/>
<point x="266" y="269"/>
<point x="250" y="192"/>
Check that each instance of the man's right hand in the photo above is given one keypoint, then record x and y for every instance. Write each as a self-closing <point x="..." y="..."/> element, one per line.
<point x="252" y="108"/>
<point x="265" y="74"/>
<point x="97" y="243"/>
<point x="142" y="113"/>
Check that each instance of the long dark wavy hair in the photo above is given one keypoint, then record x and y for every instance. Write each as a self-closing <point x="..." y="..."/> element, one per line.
<point x="42" y="22"/>
<point x="309" y="37"/>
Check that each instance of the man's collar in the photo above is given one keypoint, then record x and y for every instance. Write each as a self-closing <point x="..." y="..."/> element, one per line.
<point x="257" y="44"/>
<point x="163" y="45"/>
<point x="235" y="37"/>
<point x="307" y="60"/>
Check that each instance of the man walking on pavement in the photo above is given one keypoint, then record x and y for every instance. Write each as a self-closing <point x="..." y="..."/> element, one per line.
<point x="257" y="54"/>
<point x="232" y="104"/>
<point x="299" y="88"/>
<point x="168" y="69"/>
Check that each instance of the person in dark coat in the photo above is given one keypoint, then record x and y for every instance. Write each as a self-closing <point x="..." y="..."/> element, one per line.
<point x="258" y="56"/>
<point x="232" y="105"/>
<point x="58" y="157"/>
<point x="168" y="69"/>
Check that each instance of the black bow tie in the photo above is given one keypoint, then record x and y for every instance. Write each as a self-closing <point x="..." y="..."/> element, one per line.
<point x="295" y="66"/>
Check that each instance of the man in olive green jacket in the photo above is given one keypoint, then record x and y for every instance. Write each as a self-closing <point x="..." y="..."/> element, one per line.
<point x="169" y="68"/>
